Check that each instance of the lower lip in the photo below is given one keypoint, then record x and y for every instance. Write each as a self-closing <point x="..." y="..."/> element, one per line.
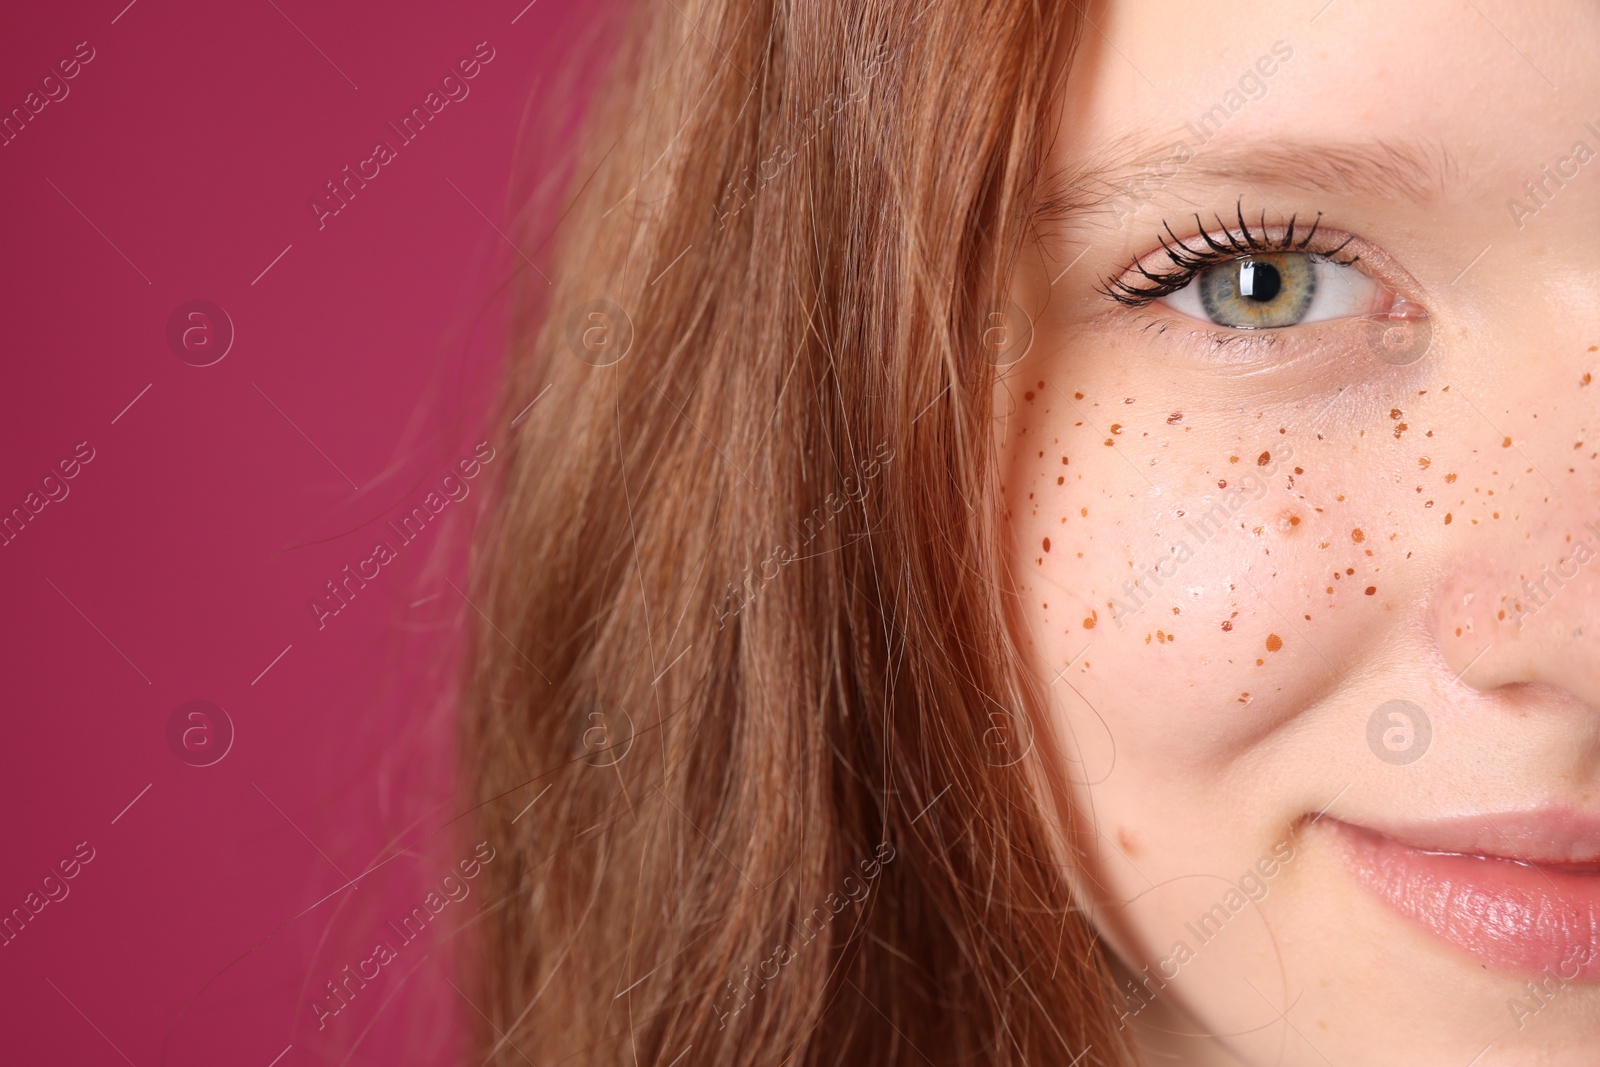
<point x="1521" y="917"/>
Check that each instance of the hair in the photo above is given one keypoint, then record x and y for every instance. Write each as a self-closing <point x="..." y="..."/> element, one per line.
<point x="744" y="716"/>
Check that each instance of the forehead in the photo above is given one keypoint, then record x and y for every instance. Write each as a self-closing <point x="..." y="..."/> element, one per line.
<point x="1480" y="93"/>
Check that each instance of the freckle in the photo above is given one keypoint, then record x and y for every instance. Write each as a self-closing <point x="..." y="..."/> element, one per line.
<point x="1094" y="617"/>
<point x="1506" y="443"/>
<point x="1587" y="378"/>
<point x="1371" y="589"/>
<point x="1447" y="518"/>
<point x="1233" y="459"/>
<point x="1077" y="396"/>
<point x="1047" y="544"/>
<point x="1028" y="396"/>
<point x="1116" y="428"/>
<point x="1357" y="536"/>
<point x="1226" y="625"/>
<point x="1177" y="611"/>
<point x="1424" y="462"/>
<point x="1175" y="418"/>
<point x="1502" y="615"/>
<point x="1244" y="698"/>
<point x="1259" y="662"/>
<point x="1395" y="413"/>
<point x="1222" y="483"/>
<point x="1263" y="459"/>
<point x="1063" y="461"/>
<point x="1282" y="430"/>
<point x="1108" y="442"/>
<point x="1294" y="520"/>
<point x="1083" y="512"/>
<point x="1330" y="588"/>
<point x="1449" y="478"/>
<point x="1349" y="570"/>
<point x="1274" y="642"/>
<point x="1399" y="429"/>
<point x="1061" y="480"/>
<point x="1299" y="470"/>
<point x="1458" y="631"/>
<point x="1041" y="455"/>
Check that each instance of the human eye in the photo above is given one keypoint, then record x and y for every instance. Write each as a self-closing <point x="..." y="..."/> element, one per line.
<point x="1244" y="277"/>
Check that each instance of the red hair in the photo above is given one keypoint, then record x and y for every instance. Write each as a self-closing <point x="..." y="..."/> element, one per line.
<point x="745" y="650"/>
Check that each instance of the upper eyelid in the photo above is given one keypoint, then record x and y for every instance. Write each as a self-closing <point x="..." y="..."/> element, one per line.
<point x="1186" y="261"/>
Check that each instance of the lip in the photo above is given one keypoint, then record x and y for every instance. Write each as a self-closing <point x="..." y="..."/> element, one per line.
<point x="1557" y="837"/>
<point x="1519" y="891"/>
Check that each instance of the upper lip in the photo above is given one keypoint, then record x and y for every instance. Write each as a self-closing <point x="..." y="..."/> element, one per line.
<point x="1550" y="837"/>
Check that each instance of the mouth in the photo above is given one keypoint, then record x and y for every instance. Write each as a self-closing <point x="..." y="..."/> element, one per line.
<point x="1520" y="891"/>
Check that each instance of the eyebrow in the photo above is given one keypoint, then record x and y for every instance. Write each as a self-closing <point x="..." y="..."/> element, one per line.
<point x="1416" y="171"/>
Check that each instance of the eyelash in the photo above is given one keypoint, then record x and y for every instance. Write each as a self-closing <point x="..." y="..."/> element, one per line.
<point x="1188" y="262"/>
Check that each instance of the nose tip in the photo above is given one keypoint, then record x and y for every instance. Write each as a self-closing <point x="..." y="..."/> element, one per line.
<point x="1526" y="620"/>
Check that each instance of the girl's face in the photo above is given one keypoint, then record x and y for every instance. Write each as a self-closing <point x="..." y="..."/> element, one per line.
<point x="1307" y="525"/>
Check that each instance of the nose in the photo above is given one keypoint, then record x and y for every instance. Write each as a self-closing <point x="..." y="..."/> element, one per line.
<point x="1528" y="614"/>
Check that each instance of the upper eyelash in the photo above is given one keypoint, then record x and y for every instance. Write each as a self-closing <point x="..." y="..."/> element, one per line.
<point x="1188" y="262"/>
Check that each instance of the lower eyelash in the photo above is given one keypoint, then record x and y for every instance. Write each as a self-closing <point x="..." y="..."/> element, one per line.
<point x="1188" y="262"/>
<point x="1214" y="338"/>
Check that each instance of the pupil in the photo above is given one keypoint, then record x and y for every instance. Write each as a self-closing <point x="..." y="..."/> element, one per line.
<point x="1259" y="281"/>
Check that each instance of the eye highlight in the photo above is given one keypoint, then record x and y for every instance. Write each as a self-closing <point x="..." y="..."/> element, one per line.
<point x="1244" y="278"/>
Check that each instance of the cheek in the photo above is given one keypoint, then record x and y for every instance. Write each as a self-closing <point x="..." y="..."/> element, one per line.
<point x="1202" y="578"/>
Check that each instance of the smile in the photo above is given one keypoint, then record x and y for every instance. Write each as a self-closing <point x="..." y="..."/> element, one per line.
<point x="1520" y="891"/>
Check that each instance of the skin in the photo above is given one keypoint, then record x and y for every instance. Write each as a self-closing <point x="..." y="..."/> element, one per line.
<point x="1373" y="551"/>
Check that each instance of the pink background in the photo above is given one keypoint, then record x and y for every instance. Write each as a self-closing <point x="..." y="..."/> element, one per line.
<point x="181" y="563"/>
